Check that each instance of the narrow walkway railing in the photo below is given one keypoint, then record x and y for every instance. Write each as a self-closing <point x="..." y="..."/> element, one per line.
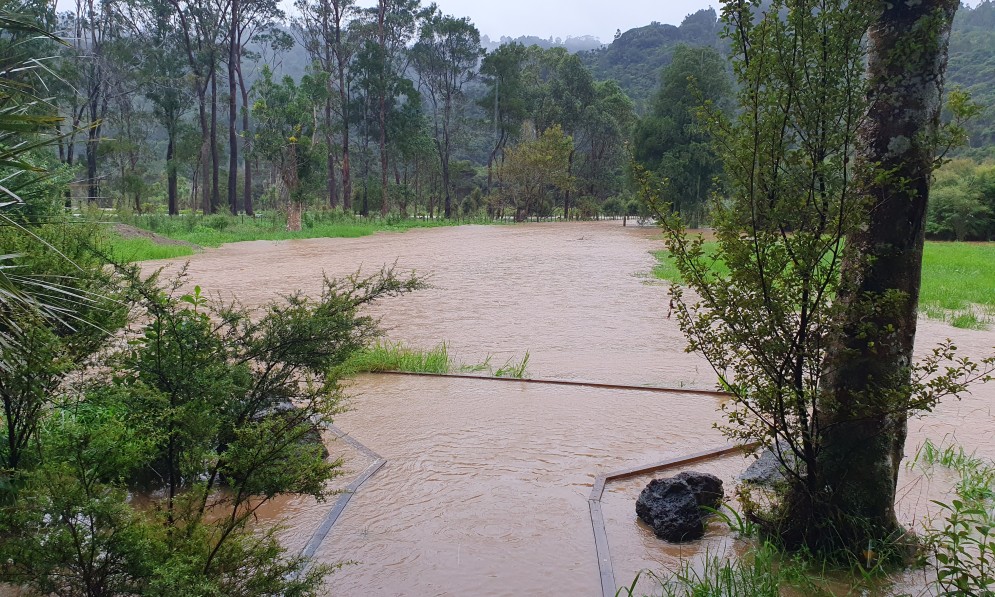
<point x="608" y="588"/>
<point x="319" y="535"/>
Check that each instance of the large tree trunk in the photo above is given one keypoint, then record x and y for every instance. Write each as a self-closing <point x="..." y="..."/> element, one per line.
<point x="344" y="99"/>
<point x="246" y="147"/>
<point x="171" y="171"/>
<point x="492" y="157"/>
<point x="233" y="56"/>
<point x="382" y="115"/>
<point x="330" y="138"/>
<point x="204" y="158"/>
<point x="92" y="145"/>
<point x="566" y="193"/>
<point x="444" y="162"/>
<point x="346" y="168"/>
<point x="384" y="199"/>
<point x="333" y="191"/>
<point x="863" y="423"/>
<point x="215" y="164"/>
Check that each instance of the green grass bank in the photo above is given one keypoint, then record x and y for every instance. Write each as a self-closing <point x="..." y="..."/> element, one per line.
<point x="220" y="229"/>
<point x="958" y="282"/>
<point x="216" y="230"/>
<point x="130" y="250"/>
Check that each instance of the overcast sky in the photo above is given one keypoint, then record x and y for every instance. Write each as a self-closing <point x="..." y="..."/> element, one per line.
<point x="566" y="18"/>
<point x="570" y="18"/>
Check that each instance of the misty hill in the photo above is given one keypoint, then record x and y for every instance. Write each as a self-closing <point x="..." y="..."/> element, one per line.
<point x="635" y="58"/>
<point x="573" y="45"/>
<point x="972" y="66"/>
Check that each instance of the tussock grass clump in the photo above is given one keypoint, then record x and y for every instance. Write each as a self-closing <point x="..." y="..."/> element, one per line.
<point x="513" y="368"/>
<point x="976" y="476"/>
<point x="387" y="356"/>
<point x="764" y="572"/>
<point x="962" y="542"/>
<point x="395" y="356"/>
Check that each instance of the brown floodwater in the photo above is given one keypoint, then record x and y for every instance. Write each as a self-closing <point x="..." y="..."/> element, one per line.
<point x="486" y="484"/>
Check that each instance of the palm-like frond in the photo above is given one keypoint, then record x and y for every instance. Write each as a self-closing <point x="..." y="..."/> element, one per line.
<point x="24" y="121"/>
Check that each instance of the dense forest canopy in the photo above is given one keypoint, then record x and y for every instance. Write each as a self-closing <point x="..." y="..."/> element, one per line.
<point x="237" y="105"/>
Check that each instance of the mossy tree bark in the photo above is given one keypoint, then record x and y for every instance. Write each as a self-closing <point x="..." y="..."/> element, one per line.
<point x="864" y="406"/>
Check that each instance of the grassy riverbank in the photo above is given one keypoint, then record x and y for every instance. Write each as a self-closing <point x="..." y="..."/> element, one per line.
<point x="958" y="282"/>
<point x="130" y="250"/>
<point x="219" y="229"/>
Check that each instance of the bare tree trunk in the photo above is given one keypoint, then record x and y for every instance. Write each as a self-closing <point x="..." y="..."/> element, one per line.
<point x="384" y="199"/>
<point x="444" y="159"/>
<point x="171" y="172"/>
<point x="566" y="194"/>
<point x="92" y="144"/>
<point x="863" y="424"/>
<point x="233" y="58"/>
<point x="215" y="164"/>
<point x="98" y="103"/>
<point x="383" y="108"/>
<point x="247" y="147"/>
<point x="492" y="157"/>
<point x="205" y="177"/>
<point x="204" y="158"/>
<point x="344" y="102"/>
<point x="333" y="199"/>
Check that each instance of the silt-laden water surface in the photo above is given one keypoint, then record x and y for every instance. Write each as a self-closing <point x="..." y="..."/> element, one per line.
<point x="486" y="484"/>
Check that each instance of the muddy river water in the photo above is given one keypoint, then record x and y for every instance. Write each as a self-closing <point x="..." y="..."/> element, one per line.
<point x="486" y="484"/>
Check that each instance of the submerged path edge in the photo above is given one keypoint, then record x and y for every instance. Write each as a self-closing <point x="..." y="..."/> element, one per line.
<point x="607" y="572"/>
<point x="321" y="533"/>
<point x="558" y="382"/>
<point x="602" y="547"/>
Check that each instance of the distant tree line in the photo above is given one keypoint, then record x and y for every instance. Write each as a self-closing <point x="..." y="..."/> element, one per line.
<point x="400" y="110"/>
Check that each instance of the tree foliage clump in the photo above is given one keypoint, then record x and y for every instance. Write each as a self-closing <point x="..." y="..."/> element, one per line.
<point x="798" y="308"/>
<point x="671" y="143"/>
<point x="535" y="168"/>
<point x="143" y="473"/>
<point x="962" y="207"/>
<point x="288" y="135"/>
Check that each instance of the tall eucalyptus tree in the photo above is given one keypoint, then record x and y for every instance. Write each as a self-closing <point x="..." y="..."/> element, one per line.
<point x="248" y="21"/>
<point x="503" y="70"/>
<point x="390" y="26"/>
<point x="446" y="58"/>
<point x="323" y="29"/>
<point x="201" y="30"/>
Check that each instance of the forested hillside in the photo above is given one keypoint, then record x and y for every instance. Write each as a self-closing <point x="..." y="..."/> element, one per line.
<point x="636" y="58"/>
<point x="972" y="66"/>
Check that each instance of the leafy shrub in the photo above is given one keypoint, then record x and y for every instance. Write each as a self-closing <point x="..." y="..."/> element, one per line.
<point x="219" y="222"/>
<point x="209" y="414"/>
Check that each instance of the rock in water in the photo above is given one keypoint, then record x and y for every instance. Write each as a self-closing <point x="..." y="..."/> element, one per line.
<point x="673" y="506"/>
<point x="768" y="471"/>
<point x="707" y="488"/>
